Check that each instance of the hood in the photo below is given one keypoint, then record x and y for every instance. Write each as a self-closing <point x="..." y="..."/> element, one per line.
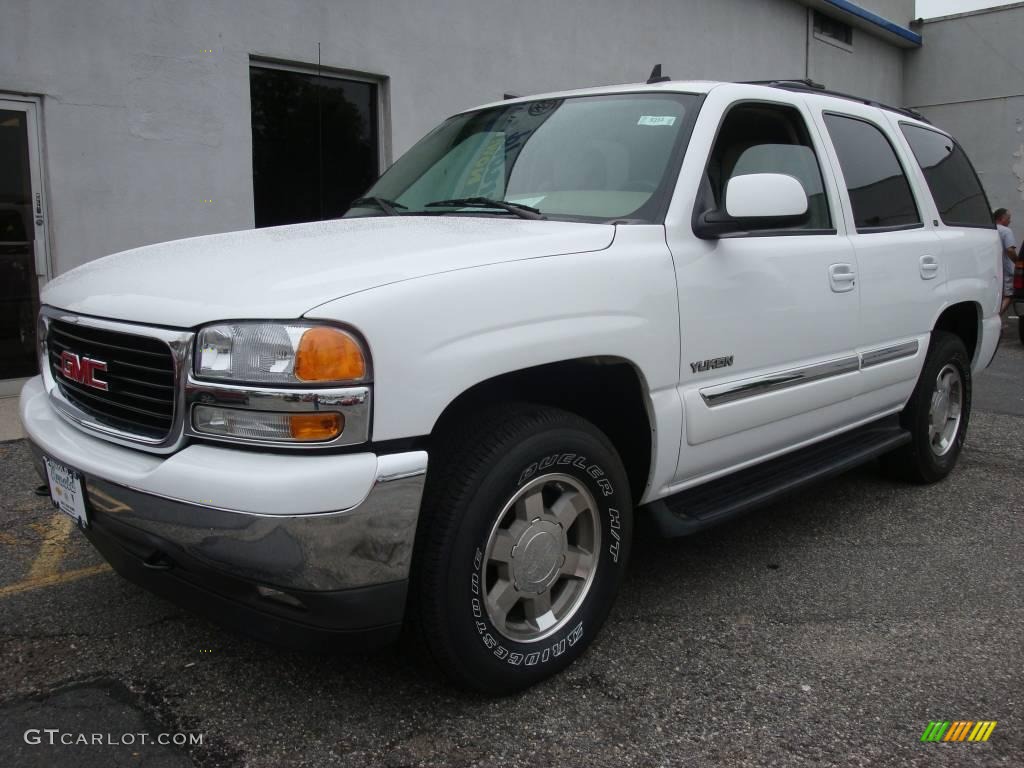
<point x="283" y="272"/>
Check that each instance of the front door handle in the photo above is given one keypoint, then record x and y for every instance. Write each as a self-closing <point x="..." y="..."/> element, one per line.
<point x="929" y="267"/>
<point x="842" y="278"/>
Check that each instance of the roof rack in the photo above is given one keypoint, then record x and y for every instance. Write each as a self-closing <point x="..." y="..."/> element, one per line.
<point x="813" y="87"/>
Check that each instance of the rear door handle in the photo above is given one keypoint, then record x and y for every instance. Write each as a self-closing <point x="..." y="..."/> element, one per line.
<point x="929" y="267"/>
<point x="842" y="277"/>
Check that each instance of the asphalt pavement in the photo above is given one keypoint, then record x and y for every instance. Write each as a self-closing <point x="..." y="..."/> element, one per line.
<point x="830" y="629"/>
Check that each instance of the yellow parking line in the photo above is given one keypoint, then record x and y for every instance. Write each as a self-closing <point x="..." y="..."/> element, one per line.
<point x="44" y="571"/>
<point x="55" y="543"/>
<point x="52" y="580"/>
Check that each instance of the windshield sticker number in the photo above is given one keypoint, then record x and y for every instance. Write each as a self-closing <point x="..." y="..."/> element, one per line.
<point x="656" y="120"/>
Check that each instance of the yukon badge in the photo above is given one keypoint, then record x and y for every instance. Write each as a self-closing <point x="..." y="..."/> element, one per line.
<point x="708" y="365"/>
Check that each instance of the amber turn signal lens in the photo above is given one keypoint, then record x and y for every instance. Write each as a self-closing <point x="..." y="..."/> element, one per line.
<point x="329" y="354"/>
<point x="316" y="426"/>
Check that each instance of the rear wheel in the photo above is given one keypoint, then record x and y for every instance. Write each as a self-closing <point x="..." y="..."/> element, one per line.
<point x="937" y="413"/>
<point x="524" y="536"/>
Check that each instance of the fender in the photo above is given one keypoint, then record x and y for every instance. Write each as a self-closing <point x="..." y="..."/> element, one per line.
<point x="433" y="338"/>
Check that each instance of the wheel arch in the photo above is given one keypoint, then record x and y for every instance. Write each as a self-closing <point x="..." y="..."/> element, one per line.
<point x="963" y="319"/>
<point x="610" y="392"/>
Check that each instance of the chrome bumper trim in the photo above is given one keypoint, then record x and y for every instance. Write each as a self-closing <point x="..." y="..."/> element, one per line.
<point x="370" y="543"/>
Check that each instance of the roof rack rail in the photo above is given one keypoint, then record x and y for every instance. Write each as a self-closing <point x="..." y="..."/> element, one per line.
<point x="795" y="84"/>
<point x="813" y="87"/>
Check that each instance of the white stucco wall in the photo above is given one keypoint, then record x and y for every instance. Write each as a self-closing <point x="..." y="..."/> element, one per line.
<point x="141" y="125"/>
<point x="872" y="69"/>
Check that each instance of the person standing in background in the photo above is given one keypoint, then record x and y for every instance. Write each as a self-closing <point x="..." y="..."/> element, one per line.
<point x="1001" y="217"/>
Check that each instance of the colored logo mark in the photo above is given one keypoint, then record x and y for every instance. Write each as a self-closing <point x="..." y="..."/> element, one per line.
<point x="958" y="730"/>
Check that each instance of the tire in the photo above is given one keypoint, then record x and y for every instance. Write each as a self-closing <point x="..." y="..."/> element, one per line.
<point x="932" y="452"/>
<point x="503" y="480"/>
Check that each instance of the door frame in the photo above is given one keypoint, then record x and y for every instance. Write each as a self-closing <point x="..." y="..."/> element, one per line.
<point x="33" y="108"/>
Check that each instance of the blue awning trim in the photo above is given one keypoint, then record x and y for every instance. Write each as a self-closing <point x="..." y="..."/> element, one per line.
<point x="874" y="18"/>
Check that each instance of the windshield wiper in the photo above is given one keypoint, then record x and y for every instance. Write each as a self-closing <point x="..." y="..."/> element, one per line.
<point x="390" y="207"/>
<point x="520" y="210"/>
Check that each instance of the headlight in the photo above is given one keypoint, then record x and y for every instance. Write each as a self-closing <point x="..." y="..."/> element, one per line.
<point x="279" y="353"/>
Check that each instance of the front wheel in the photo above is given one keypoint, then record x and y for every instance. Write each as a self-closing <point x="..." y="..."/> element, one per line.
<point x="525" y="533"/>
<point x="936" y="414"/>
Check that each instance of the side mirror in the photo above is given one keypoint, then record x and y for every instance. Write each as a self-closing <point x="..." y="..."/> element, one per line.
<point x="755" y="201"/>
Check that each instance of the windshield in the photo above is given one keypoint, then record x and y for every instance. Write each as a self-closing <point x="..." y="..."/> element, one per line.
<point x="590" y="158"/>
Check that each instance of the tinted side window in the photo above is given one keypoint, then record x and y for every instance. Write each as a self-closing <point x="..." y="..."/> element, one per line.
<point x="879" y="191"/>
<point x="765" y="138"/>
<point x="951" y="178"/>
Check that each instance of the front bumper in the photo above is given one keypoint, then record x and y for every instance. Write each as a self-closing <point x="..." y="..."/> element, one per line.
<point x="299" y="549"/>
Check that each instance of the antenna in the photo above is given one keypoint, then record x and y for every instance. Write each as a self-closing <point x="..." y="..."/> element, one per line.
<point x="656" y="76"/>
<point x="320" y="129"/>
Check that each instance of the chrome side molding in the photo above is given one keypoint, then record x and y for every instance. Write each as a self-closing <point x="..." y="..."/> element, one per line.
<point x="730" y="392"/>
<point x="887" y="354"/>
<point x="773" y="382"/>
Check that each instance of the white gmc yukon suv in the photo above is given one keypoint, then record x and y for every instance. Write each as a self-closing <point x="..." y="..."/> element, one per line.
<point x="552" y="316"/>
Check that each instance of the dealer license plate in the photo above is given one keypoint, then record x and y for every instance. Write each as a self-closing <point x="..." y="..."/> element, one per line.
<point x="66" y="490"/>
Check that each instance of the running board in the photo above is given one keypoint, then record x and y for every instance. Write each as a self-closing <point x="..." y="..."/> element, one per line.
<point x="705" y="505"/>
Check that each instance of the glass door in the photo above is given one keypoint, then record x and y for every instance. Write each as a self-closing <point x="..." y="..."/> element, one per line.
<point x="23" y="263"/>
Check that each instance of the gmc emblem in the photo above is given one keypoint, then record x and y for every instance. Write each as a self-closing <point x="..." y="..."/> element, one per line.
<point x="83" y="370"/>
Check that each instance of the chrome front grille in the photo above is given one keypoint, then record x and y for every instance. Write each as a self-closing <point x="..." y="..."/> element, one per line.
<point x="139" y="399"/>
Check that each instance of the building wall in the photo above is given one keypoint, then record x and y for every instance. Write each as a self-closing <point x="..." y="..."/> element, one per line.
<point x="872" y="68"/>
<point x="968" y="78"/>
<point x="141" y="125"/>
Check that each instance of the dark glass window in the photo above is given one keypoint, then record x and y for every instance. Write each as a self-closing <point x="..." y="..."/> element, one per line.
<point x="951" y="178"/>
<point x="837" y="30"/>
<point x="19" y="296"/>
<point x="314" y="144"/>
<point x="765" y="138"/>
<point x="879" y="191"/>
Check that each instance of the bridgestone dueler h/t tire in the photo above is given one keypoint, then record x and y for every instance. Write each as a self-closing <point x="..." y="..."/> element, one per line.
<point x="916" y="461"/>
<point x="475" y="472"/>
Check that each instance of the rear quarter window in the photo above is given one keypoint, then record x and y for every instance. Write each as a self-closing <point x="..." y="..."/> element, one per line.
<point x="951" y="178"/>
<point x="879" y="191"/>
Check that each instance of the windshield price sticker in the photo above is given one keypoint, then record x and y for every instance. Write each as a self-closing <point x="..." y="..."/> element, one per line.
<point x="656" y="120"/>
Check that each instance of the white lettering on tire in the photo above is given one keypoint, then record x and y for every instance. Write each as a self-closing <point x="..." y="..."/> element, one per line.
<point x="556" y="649"/>
<point x="614" y="524"/>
